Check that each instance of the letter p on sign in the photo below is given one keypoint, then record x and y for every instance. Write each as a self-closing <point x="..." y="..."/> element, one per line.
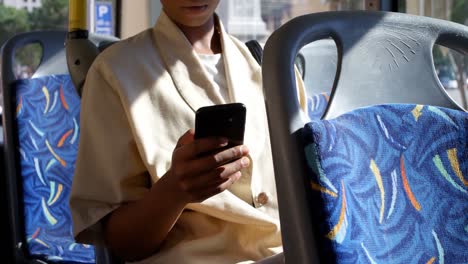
<point x="103" y="10"/>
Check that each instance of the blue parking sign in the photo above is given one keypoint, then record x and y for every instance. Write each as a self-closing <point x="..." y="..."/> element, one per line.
<point x="104" y="19"/>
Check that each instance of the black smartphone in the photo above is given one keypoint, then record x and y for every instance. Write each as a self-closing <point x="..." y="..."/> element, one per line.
<point x="225" y="120"/>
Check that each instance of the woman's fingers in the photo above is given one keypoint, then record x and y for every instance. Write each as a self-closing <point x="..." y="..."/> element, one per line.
<point x="221" y="173"/>
<point x="216" y="187"/>
<point x="228" y="155"/>
<point x="202" y="168"/>
<point x="212" y="161"/>
<point x="200" y="146"/>
<point x="213" y="181"/>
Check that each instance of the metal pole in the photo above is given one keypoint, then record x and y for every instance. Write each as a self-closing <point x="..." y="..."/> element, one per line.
<point x="421" y="7"/>
<point x="432" y="9"/>
<point x="80" y="52"/>
<point x="118" y="18"/>
<point x="92" y="19"/>
<point x="77" y="19"/>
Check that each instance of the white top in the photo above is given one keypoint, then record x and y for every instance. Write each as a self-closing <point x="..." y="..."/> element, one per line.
<point x="214" y="66"/>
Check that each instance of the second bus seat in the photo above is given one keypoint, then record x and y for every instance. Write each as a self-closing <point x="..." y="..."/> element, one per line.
<point x="390" y="184"/>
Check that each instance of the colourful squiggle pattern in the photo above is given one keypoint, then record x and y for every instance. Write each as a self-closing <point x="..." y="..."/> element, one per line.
<point x="72" y="246"/>
<point x="318" y="187"/>
<point x="310" y="152"/>
<point x="438" y="162"/>
<point x="62" y="98"/>
<point x="378" y="178"/>
<point x="47" y="112"/>
<point x="62" y="162"/>
<point x="417" y="112"/>
<point x="54" y="259"/>
<point x="336" y="229"/>
<point x="394" y="193"/>
<point x="64" y="137"/>
<point x="38" y="171"/>
<point x="387" y="134"/>
<point x="367" y="254"/>
<point x="41" y="242"/>
<point x="440" y="249"/>
<point x="407" y="187"/>
<point x="52" y="220"/>
<point x="39" y="132"/>
<point x="52" y="185"/>
<point x="47" y="97"/>
<point x="19" y="107"/>
<point x="36" y="233"/>
<point x="33" y="141"/>
<point x="51" y="163"/>
<point x="55" y="101"/>
<point x="440" y="113"/>
<point x="75" y="134"/>
<point x="55" y="193"/>
<point x="425" y="207"/>
<point x="23" y="154"/>
<point x="452" y="154"/>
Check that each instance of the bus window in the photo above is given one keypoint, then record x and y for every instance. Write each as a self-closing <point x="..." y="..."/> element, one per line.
<point x="451" y="66"/>
<point x="258" y="19"/>
<point x="22" y="16"/>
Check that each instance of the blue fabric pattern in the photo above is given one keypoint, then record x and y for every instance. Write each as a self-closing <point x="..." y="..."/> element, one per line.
<point x="317" y="104"/>
<point x="48" y="112"/>
<point x="390" y="184"/>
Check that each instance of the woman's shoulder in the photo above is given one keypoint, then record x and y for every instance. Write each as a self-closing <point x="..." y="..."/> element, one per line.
<point x="127" y="64"/>
<point x="128" y="51"/>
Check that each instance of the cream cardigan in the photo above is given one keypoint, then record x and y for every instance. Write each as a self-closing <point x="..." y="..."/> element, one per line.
<point x="140" y="96"/>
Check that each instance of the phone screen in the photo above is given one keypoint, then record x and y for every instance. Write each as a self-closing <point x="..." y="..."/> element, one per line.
<point x="225" y="120"/>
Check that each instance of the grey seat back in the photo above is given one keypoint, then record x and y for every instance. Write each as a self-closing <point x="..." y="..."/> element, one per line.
<point x="382" y="58"/>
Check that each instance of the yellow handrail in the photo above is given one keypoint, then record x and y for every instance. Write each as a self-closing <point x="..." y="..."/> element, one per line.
<point x="77" y="18"/>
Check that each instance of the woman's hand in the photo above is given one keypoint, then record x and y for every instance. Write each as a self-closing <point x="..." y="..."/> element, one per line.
<point x="137" y="229"/>
<point x="196" y="175"/>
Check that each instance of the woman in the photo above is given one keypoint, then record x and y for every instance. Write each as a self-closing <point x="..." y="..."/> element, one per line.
<point x="142" y="188"/>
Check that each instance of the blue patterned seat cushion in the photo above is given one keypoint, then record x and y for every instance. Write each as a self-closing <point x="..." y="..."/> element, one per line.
<point x="317" y="104"/>
<point x="389" y="185"/>
<point x="47" y="113"/>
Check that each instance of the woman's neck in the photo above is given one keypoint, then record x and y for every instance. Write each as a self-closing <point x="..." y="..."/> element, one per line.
<point x="205" y="39"/>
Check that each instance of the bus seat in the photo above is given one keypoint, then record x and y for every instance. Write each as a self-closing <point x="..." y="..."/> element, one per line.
<point x="47" y="123"/>
<point x="383" y="58"/>
<point x="41" y="125"/>
<point x="390" y="184"/>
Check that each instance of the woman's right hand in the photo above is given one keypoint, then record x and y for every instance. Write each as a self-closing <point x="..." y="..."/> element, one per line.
<point x="196" y="175"/>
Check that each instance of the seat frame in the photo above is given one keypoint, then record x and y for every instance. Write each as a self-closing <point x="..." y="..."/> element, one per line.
<point x="351" y="90"/>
